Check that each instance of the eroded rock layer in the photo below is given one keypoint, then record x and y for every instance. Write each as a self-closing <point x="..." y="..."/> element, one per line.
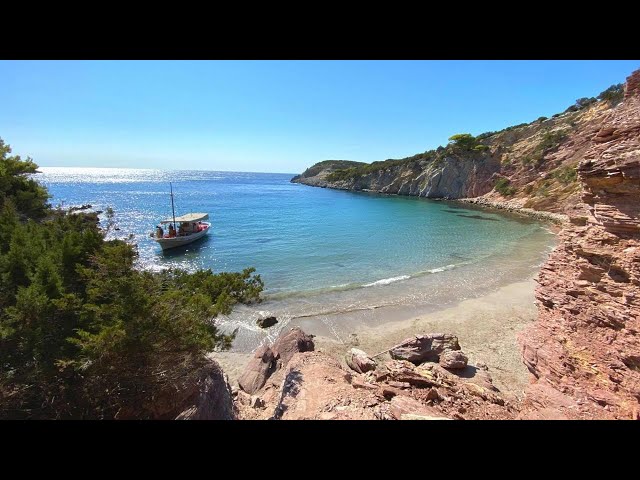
<point x="584" y="350"/>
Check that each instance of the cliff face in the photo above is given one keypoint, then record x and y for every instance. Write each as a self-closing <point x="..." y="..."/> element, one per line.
<point x="531" y="165"/>
<point x="316" y="175"/>
<point x="584" y="350"/>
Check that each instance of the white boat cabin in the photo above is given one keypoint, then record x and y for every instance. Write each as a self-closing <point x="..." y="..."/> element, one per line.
<point x="187" y="225"/>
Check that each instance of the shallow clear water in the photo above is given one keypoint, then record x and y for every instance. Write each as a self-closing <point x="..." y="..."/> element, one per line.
<point x="319" y="251"/>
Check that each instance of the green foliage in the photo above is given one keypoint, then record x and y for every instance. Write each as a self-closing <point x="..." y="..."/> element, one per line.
<point x="84" y="334"/>
<point x="336" y="164"/>
<point x="566" y="175"/>
<point x="503" y="187"/>
<point x="581" y="103"/>
<point x="613" y="95"/>
<point x="541" y="119"/>
<point x="367" y="168"/>
<point x="465" y="141"/>
<point x="543" y="189"/>
<point x="551" y="140"/>
<point x="484" y="135"/>
<point x="25" y="194"/>
<point x="481" y="148"/>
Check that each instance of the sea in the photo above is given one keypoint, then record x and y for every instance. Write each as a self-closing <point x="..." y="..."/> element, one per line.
<point x="331" y="260"/>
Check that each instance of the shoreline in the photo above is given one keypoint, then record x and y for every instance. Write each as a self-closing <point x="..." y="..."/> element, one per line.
<point x="513" y="207"/>
<point x="486" y="327"/>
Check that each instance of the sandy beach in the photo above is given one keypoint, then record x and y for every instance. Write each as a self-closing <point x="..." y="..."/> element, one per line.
<point x="486" y="328"/>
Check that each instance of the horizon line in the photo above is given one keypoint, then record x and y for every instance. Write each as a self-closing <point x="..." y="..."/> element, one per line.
<point x="166" y="169"/>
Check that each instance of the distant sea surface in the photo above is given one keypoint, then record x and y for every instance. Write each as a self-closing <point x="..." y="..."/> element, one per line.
<point x="322" y="253"/>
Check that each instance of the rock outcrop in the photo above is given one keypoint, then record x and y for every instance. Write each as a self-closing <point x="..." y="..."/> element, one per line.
<point x="292" y="342"/>
<point x="359" y="361"/>
<point x="313" y="385"/>
<point x="453" y="359"/>
<point x="584" y="350"/>
<point x="266" y="360"/>
<point x="266" y="322"/>
<point x="209" y="397"/>
<point x="423" y="348"/>
<point x="259" y="368"/>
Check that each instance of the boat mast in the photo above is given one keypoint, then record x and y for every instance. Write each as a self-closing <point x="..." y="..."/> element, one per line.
<point x="173" y="208"/>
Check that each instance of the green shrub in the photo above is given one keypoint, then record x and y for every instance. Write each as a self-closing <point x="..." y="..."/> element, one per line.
<point x="84" y="334"/>
<point x="484" y="135"/>
<point x="566" y="175"/>
<point x="543" y="189"/>
<point x="503" y="187"/>
<point x="346" y="174"/>
<point x="541" y="119"/>
<point x="465" y="141"/>
<point x="25" y="194"/>
<point x="585" y="102"/>
<point x="612" y="95"/>
<point x="527" y="160"/>
<point x="551" y="141"/>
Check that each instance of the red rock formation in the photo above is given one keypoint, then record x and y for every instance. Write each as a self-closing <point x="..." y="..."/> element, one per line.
<point x="315" y="386"/>
<point x="584" y="350"/>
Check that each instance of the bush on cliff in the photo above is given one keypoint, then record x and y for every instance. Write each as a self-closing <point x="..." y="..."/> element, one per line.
<point x="84" y="334"/>
<point x="613" y="95"/>
<point x="367" y="168"/>
<point x="503" y="187"/>
<point x="465" y="141"/>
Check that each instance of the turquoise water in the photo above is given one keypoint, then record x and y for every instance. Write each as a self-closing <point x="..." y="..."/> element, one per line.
<point x="318" y="250"/>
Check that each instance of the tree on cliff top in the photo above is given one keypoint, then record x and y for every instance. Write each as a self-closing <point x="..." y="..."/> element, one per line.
<point x="614" y="94"/>
<point x="84" y="334"/>
<point x="463" y="140"/>
<point x="25" y="194"/>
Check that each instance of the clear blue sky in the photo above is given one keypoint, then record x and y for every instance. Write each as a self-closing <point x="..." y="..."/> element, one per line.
<point x="273" y="116"/>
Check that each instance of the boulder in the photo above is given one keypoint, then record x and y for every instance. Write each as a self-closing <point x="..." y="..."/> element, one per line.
<point x="258" y="370"/>
<point x="266" y="322"/>
<point x="287" y="345"/>
<point x="453" y="359"/>
<point x="359" y="361"/>
<point x="407" y="408"/>
<point x="424" y="348"/>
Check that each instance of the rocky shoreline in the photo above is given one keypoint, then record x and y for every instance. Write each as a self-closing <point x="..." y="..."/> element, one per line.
<point x="516" y="207"/>
<point x="425" y="377"/>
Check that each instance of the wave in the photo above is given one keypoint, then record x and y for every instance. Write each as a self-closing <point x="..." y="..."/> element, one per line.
<point x="386" y="281"/>
<point x="441" y="269"/>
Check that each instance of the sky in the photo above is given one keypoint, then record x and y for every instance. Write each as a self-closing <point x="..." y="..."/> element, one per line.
<point x="274" y="116"/>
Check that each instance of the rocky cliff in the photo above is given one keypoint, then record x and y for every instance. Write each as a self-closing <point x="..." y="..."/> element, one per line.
<point x="584" y="350"/>
<point x="530" y="165"/>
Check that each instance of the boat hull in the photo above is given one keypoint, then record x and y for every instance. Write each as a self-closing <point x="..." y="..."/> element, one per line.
<point x="168" y="243"/>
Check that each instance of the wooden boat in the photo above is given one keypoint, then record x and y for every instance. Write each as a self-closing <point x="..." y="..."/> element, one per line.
<point x="191" y="227"/>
